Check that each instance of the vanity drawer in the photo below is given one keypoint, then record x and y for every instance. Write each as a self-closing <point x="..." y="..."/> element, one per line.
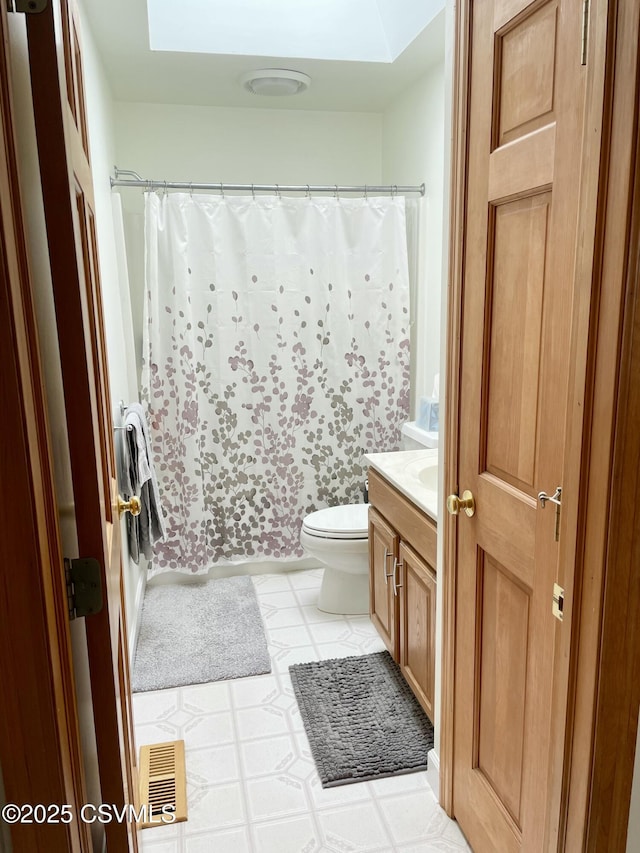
<point x="413" y="525"/>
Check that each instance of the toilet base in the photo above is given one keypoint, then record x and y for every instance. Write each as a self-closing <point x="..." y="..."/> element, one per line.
<point x="344" y="593"/>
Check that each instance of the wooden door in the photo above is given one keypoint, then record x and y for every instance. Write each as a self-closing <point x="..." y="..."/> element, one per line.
<point x="523" y="181"/>
<point x="417" y="593"/>
<point x="40" y="741"/>
<point x="60" y="117"/>
<point x="383" y="605"/>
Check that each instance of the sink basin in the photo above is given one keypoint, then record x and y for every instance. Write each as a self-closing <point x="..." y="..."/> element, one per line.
<point x="424" y="473"/>
<point x="429" y="477"/>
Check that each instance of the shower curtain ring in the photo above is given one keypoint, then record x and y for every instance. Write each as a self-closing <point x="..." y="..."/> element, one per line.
<point x="191" y="190"/>
<point x="278" y="191"/>
<point x="253" y="191"/>
<point x="308" y="191"/>
<point x="395" y="191"/>
<point x="165" y="187"/>
<point x="221" y="189"/>
<point x="366" y="192"/>
<point x="336" y="193"/>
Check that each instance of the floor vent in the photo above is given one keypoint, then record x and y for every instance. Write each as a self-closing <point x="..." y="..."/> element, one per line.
<point x="163" y="783"/>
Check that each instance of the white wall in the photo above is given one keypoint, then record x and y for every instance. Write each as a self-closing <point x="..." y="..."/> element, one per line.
<point x="403" y="21"/>
<point x="239" y="145"/>
<point x="213" y="144"/>
<point x="115" y="290"/>
<point x="412" y="153"/>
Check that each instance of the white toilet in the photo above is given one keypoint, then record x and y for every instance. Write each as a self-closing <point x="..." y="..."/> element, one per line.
<point x="338" y="537"/>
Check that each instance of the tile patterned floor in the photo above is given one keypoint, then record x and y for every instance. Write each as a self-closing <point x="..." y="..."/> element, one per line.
<point x="252" y="784"/>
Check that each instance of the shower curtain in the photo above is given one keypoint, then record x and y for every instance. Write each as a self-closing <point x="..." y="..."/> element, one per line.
<point x="275" y="354"/>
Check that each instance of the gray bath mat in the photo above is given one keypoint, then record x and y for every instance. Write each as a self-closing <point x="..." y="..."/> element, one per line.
<point x="196" y="632"/>
<point x="361" y="718"/>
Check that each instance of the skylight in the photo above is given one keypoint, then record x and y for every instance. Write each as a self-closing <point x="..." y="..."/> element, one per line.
<point x="352" y="30"/>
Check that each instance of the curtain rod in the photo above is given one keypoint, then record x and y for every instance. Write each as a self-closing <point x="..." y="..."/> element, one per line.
<point x="143" y="183"/>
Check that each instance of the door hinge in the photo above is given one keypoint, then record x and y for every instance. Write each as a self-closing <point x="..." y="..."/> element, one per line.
<point x="557" y="605"/>
<point x="586" y="8"/>
<point x="84" y="586"/>
<point x="29" y="7"/>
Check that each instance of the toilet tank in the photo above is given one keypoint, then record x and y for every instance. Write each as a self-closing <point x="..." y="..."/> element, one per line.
<point x="416" y="438"/>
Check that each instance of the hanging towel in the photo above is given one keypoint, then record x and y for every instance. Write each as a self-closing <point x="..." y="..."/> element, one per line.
<point x="139" y="478"/>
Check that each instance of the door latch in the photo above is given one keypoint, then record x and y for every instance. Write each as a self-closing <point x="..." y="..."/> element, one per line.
<point x="557" y="605"/>
<point x="556" y="499"/>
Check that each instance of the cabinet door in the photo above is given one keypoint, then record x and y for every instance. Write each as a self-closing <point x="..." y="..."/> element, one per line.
<point x="416" y="583"/>
<point x="383" y="605"/>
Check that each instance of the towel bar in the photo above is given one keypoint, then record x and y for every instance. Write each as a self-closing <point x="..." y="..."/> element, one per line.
<point x="123" y="410"/>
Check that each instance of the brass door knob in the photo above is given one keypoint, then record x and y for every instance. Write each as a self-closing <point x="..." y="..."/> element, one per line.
<point x="466" y="502"/>
<point x="133" y="505"/>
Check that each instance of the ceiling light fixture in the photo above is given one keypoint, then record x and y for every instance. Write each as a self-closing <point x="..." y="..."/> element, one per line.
<point x="275" y="81"/>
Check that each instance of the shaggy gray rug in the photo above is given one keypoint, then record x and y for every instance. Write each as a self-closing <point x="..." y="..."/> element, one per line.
<point x="361" y="718"/>
<point x="196" y="632"/>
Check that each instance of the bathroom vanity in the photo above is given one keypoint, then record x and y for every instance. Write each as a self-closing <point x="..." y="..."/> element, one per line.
<point x="402" y="562"/>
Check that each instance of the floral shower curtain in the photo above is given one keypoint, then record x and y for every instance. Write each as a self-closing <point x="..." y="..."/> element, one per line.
<point x="276" y="353"/>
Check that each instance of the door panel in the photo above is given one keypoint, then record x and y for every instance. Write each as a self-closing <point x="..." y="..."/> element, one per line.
<point x="523" y="166"/>
<point x="517" y="254"/>
<point x="74" y="80"/>
<point x="503" y="614"/>
<point x="508" y="525"/>
<point x="60" y="118"/>
<point x="383" y="604"/>
<point x="525" y="61"/>
<point x="514" y="169"/>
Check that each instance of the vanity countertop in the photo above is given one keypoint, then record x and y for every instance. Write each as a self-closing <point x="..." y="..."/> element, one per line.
<point x="412" y="472"/>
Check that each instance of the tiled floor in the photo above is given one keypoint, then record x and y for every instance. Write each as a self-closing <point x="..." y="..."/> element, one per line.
<point x="252" y="784"/>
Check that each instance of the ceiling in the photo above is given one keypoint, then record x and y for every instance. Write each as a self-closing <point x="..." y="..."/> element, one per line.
<point x="138" y="74"/>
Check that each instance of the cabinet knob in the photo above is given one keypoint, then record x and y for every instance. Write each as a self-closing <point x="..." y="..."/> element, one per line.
<point x="466" y="502"/>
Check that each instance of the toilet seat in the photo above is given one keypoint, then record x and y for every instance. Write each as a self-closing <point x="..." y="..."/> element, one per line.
<point x="339" y="522"/>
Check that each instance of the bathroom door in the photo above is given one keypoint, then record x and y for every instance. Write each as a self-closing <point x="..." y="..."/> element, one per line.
<point x="55" y="59"/>
<point x="525" y="124"/>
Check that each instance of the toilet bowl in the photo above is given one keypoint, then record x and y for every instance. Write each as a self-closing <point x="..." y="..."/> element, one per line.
<point x="338" y="537"/>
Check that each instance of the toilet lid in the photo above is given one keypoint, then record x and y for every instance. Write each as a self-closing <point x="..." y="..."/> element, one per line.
<point x="339" y="522"/>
